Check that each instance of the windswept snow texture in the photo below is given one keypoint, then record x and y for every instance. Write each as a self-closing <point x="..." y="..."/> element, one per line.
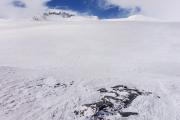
<point x="49" y="70"/>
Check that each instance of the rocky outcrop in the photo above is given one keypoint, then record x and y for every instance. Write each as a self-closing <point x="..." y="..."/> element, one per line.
<point x="59" y="13"/>
<point x="112" y="102"/>
<point x="52" y="13"/>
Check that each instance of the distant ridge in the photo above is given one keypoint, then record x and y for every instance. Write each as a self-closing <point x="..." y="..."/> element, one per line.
<point x="134" y="18"/>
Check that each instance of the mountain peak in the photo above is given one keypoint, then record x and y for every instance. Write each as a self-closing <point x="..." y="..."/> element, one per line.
<point x="52" y="14"/>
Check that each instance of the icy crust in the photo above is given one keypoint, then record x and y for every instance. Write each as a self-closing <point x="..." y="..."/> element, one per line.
<point x="27" y="94"/>
<point x="36" y="95"/>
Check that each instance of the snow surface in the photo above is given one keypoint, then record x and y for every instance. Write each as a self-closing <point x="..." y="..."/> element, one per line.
<point x="136" y="18"/>
<point x="79" y="57"/>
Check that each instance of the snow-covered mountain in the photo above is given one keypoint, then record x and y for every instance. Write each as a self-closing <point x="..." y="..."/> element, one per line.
<point x="89" y="70"/>
<point x="59" y="15"/>
<point x="63" y="14"/>
<point x="54" y="13"/>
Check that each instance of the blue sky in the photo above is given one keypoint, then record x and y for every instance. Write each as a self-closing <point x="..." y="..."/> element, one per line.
<point x="98" y="8"/>
<point x="93" y="7"/>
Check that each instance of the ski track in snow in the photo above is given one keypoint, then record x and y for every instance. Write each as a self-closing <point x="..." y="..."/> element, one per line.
<point x="50" y="70"/>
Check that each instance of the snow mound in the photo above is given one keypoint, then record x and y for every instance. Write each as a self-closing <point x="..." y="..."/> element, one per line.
<point x="141" y="18"/>
<point x="134" y="18"/>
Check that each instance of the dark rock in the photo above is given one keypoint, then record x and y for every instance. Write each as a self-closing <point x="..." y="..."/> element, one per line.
<point x="59" y="13"/>
<point x="40" y="85"/>
<point x="112" y="102"/>
<point x="76" y="112"/>
<point x="127" y="114"/>
<point x="72" y="82"/>
<point x="102" y="90"/>
<point x="57" y="85"/>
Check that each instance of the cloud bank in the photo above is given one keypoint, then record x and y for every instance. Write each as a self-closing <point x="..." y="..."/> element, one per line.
<point x="21" y="8"/>
<point x="162" y="9"/>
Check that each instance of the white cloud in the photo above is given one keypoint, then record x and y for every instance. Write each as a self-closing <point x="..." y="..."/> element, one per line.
<point x="33" y="7"/>
<point x="163" y="9"/>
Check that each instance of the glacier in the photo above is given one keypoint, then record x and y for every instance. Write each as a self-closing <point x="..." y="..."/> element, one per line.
<point x="50" y="69"/>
